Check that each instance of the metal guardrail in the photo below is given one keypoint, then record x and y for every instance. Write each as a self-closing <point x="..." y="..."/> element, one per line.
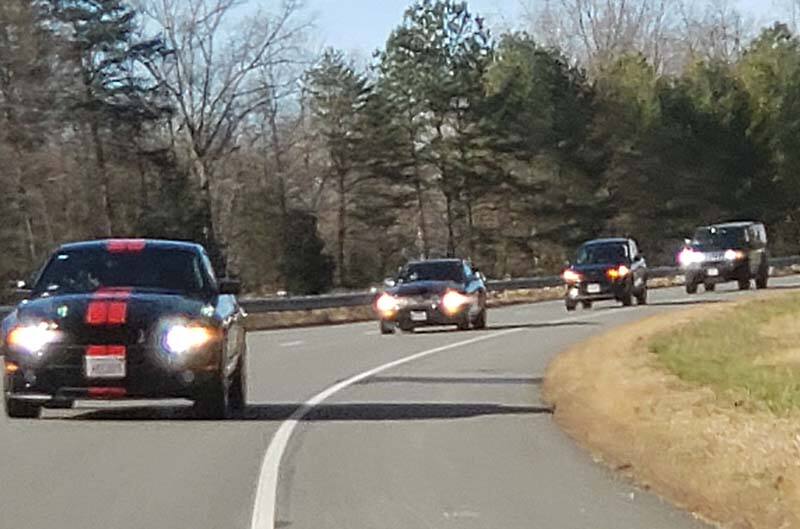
<point x="360" y="299"/>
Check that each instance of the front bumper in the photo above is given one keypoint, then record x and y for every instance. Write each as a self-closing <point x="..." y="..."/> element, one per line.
<point x="717" y="272"/>
<point x="60" y="376"/>
<point x="606" y="290"/>
<point x="425" y="316"/>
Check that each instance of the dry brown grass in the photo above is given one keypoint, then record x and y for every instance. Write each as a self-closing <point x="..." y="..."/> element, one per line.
<point x="739" y="468"/>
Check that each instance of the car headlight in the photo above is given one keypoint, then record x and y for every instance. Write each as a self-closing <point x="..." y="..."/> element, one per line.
<point x="619" y="272"/>
<point x="571" y="276"/>
<point x="734" y="255"/>
<point x="33" y="338"/>
<point x="454" y="301"/>
<point x="180" y="339"/>
<point x="689" y="257"/>
<point x="387" y="304"/>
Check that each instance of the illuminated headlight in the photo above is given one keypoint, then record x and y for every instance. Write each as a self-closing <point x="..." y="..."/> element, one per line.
<point x="387" y="304"/>
<point x="689" y="257"/>
<point x="33" y="338"/>
<point x="734" y="255"/>
<point x="181" y="339"/>
<point x="571" y="276"/>
<point x="453" y="301"/>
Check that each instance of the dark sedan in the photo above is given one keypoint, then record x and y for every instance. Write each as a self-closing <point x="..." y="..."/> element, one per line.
<point x="433" y="292"/>
<point x="126" y="319"/>
<point x="606" y="269"/>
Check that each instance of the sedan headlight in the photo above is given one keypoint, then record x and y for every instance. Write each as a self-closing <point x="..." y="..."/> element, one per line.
<point x="180" y="339"/>
<point x="33" y="338"/>
<point x="454" y="301"/>
<point x="571" y="276"/>
<point x="387" y="304"/>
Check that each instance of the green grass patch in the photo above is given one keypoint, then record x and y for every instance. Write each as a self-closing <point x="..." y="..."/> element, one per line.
<point x="745" y="354"/>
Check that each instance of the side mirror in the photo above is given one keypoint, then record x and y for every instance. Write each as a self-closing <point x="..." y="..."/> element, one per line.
<point x="21" y="289"/>
<point x="229" y="287"/>
<point x="389" y="282"/>
<point x="639" y="258"/>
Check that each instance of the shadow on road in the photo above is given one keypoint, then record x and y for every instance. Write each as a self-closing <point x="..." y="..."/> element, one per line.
<point x="452" y="380"/>
<point x="508" y="326"/>
<point x="324" y="412"/>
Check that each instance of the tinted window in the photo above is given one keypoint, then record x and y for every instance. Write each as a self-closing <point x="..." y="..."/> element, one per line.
<point x="84" y="271"/>
<point x="720" y="238"/>
<point x="603" y="253"/>
<point x="443" y="271"/>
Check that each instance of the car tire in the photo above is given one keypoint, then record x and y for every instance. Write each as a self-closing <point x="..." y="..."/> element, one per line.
<point x="571" y="306"/>
<point x="214" y="403"/>
<point x="237" y="393"/>
<point x="691" y="288"/>
<point x="480" y="321"/>
<point x="710" y="287"/>
<point x="641" y="298"/>
<point x="762" y="281"/>
<point x="587" y="305"/>
<point x="627" y="299"/>
<point x="17" y="409"/>
<point x="744" y="284"/>
<point x="387" y="327"/>
<point x="464" y="324"/>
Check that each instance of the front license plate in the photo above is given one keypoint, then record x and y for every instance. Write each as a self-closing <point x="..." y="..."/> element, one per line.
<point x="713" y="272"/>
<point x="594" y="288"/>
<point x="419" y="315"/>
<point x="104" y="366"/>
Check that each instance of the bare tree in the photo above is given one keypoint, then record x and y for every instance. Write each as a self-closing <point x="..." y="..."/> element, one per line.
<point x="715" y="30"/>
<point x="212" y="68"/>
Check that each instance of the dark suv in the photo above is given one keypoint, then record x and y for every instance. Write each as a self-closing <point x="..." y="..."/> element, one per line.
<point x="733" y="251"/>
<point x="606" y="269"/>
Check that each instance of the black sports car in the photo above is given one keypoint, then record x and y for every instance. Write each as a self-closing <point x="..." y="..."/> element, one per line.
<point x="606" y="269"/>
<point x="121" y="319"/>
<point x="433" y="292"/>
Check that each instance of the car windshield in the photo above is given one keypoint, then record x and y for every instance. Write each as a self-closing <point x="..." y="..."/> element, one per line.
<point x="719" y="238"/>
<point x="602" y="254"/>
<point x="87" y="270"/>
<point x="441" y="271"/>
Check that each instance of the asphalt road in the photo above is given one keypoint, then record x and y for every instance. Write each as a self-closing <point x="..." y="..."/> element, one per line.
<point x="360" y="431"/>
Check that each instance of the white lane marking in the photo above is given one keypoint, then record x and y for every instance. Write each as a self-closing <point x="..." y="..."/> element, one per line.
<point x="371" y="333"/>
<point x="267" y="491"/>
<point x="292" y="344"/>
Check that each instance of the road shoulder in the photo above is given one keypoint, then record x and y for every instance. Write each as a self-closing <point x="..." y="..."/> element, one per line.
<point x="682" y="442"/>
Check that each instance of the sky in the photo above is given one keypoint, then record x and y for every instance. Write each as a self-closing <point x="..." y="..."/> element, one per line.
<point x="361" y="26"/>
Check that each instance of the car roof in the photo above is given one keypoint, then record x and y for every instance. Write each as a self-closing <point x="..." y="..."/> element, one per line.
<point x="608" y="240"/>
<point x="151" y="243"/>
<point x="734" y="224"/>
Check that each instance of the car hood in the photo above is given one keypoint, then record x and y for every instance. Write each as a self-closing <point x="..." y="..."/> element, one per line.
<point x="588" y="268"/>
<point x="425" y="288"/>
<point x="141" y="313"/>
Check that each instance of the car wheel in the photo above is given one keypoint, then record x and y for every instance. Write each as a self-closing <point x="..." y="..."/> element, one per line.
<point x="463" y="325"/>
<point x="17" y="409"/>
<point x="407" y="327"/>
<point x="627" y="299"/>
<point x="641" y="299"/>
<point x="762" y="280"/>
<point x="571" y="305"/>
<point x="587" y="305"/>
<point x="480" y="321"/>
<point x="691" y="288"/>
<point x="710" y="287"/>
<point x="387" y="327"/>
<point x="238" y="389"/>
<point x="214" y="403"/>
<point x="744" y="284"/>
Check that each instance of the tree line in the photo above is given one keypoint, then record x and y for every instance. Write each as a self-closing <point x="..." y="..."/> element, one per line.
<point x="305" y="171"/>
